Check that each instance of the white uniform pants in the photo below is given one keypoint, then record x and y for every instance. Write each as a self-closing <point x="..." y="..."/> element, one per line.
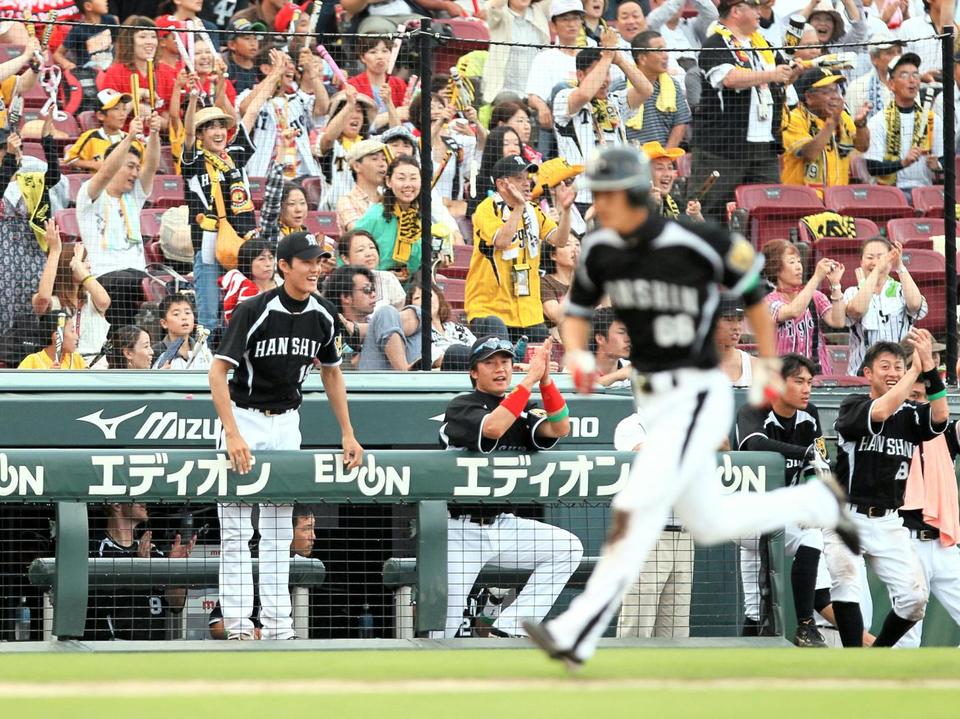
<point x="687" y="420"/>
<point x="509" y="542"/>
<point x="941" y="567"/>
<point x="276" y="532"/>
<point x="891" y="555"/>
<point x="658" y="603"/>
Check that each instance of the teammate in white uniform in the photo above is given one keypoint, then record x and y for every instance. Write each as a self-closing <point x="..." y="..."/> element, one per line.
<point x="271" y="343"/>
<point x="878" y="433"/>
<point x="663" y="279"/>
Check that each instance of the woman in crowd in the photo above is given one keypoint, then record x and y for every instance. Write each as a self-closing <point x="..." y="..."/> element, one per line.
<point x="798" y="308"/>
<point x="394" y="224"/>
<point x="450" y="340"/>
<point x="351" y="115"/>
<point x="188" y="11"/>
<point x="555" y="285"/>
<point x="136" y="44"/>
<point x="357" y="247"/>
<point x="130" y="348"/>
<point x="255" y="273"/>
<point x="387" y="91"/>
<point x="210" y="73"/>
<point x="515" y="115"/>
<point x="68" y="286"/>
<point x="501" y="142"/>
<point x="879" y="307"/>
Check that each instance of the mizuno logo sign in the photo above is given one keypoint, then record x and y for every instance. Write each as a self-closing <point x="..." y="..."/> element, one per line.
<point x="109" y="426"/>
<point x="157" y="425"/>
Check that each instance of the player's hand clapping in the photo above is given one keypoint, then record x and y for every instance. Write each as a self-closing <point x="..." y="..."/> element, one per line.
<point x="178" y="550"/>
<point x="145" y="545"/>
<point x="922" y="342"/>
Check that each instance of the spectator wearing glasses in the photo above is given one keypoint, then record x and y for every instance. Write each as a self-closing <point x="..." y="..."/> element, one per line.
<point x="503" y="282"/>
<point x="352" y="291"/>
<point x="879" y="308"/>
<point x="906" y="140"/>
<point x="495" y="418"/>
<point x="820" y="134"/>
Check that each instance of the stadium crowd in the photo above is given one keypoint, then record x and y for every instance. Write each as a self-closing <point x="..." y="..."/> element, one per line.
<point x="194" y="136"/>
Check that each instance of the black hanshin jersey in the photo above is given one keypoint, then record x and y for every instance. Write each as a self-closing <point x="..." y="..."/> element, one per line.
<point x="913" y="518"/>
<point x="272" y="341"/>
<point x="763" y="430"/>
<point x="664" y="283"/>
<point x="874" y="457"/>
<point x="462" y="430"/>
<point x="128" y="613"/>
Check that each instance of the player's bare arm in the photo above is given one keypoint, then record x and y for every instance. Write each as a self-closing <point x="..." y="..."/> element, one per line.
<point x="559" y="427"/>
<point x="336" y="390"/>
<point x="237" y="449"/>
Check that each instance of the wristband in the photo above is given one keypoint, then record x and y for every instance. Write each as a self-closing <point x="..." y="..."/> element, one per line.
<point x="553" y="401"/>
<point x="933" y="384"/>
<point x="559" y="416"/>
<point x="84" y="280"/>
<point x="516" y="401"/>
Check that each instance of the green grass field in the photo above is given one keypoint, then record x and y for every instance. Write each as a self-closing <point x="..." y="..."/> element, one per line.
<point x="456" y="684"/>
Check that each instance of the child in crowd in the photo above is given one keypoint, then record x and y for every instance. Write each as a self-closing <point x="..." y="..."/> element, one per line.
<point x="243" y="42"/>
<point x="47" y="357"/>
<point x="88" y="151"/>
<point x="374" y="82"/>
<point x="178" y="349"/>
<point x="168" y="53"/>
<point x="86" y="45"/>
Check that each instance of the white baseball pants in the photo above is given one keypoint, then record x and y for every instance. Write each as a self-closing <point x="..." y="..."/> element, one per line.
<point x="941" y="567"/>
<point x="688" y="414"/>
<point x="890" y="552"/>
<point x="276" y="532"/>
<point x="514" y="543"/>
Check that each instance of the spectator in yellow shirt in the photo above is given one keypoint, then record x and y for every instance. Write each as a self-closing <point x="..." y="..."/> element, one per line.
<point x="503" y="282"/>
<point x="820" y="134"/>
<point x="47" y="357"/>
<point x="88" y="151"/>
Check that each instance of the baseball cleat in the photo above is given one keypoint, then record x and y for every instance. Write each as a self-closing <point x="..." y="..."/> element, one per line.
<point x="541" y="636"/>
<point x="809" y="636"/>
<point x="845" y="528"/>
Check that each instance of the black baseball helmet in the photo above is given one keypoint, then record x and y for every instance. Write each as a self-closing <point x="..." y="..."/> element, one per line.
<point x="618" y="168"/>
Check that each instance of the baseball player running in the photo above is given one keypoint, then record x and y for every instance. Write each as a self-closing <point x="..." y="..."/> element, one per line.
<point x="878" y="433"/>
<point x="791" y="427"/>
<point x="663" y="279"/>
<point x="272" y="342"/>
<point x="930" y="513"/>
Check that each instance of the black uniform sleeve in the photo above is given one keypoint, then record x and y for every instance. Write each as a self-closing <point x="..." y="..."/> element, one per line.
<point x="953" y="440"/>
<point x="463" y="426"/>
<point x="853" y="418"/>
<point x="242" y="148"/>
<point x="234" y="343"/>
<point x="919" y="426"/>
<point x="752" y="435"/>
<point x="536" y="416"/>
<point x="329" y="352"/>
<point x="52" y="156"/>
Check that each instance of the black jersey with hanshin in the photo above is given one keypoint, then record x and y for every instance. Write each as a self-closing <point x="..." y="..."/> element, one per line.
<point x="664" y="282"/>
<point x="763" y="430"/>
<point x="874" y="457"/>
<point x="462" y="429"/>
<point x="272" y="341"/>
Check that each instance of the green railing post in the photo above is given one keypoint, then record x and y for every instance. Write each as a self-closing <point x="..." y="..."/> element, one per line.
<point x="70" y="581"/>
<point x="431" y="565"/>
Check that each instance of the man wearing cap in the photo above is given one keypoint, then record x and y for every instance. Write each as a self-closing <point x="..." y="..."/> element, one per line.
<point x="503" y="282"/>
<point x="494" y="417"/>
<point x="738" y="121"/>
<point x="872" y="86"/>
<point x="906" y="139"/>
<point x="272" y="343"/>
<point x="368" y="165"/>
<point x="664" y="116"/>
<point x="243" y="42"/>
<point x="400" y="141"/>
<point x="88" y="151"/>
<point x="663" y="169"/>
<point x="108" y="208"/>
<point x="216" y="190"/>
<point x="585" y="117"/>
<point x="820" y="134"/>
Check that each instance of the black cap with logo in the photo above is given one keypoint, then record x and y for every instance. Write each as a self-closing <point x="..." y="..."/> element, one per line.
<point x="303" y="245"/>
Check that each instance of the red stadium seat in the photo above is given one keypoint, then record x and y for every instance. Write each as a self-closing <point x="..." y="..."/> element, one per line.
<point x="470" y="29"/>
<point x="843" y="250"/>
<point x="839" y="356"/>
<point x="863" y="227"/>
<point x="257" y="186"/>
<point x="150" y="223"/>
<point x="152" y="252"/>
<point x="313" y="189"/>
<point x="166" y="166"/>
<point x="907" y="229"/>
<point x="461" y="262"/>
<point x="33" y="149"/>
<point x="67" y="222"/>
<point x="454" y="290"/>
<point x="876" y="202"/>
<point x="323" y="223"/>
<point x="35" y="97"/>
<point x="774" y="209"/>
<point x="167" y="191"/>
<point x="928" y="201"/>
<point x="73" y="185"/>
<point x="684" y="165"/>
<point x="9" y="52"/>
<point x="924" y="261"/>
<point x="931" y="285"/>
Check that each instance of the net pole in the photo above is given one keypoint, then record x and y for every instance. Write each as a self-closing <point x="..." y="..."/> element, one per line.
<point x="426" y="173"/>
<point x="950" y="199"/>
